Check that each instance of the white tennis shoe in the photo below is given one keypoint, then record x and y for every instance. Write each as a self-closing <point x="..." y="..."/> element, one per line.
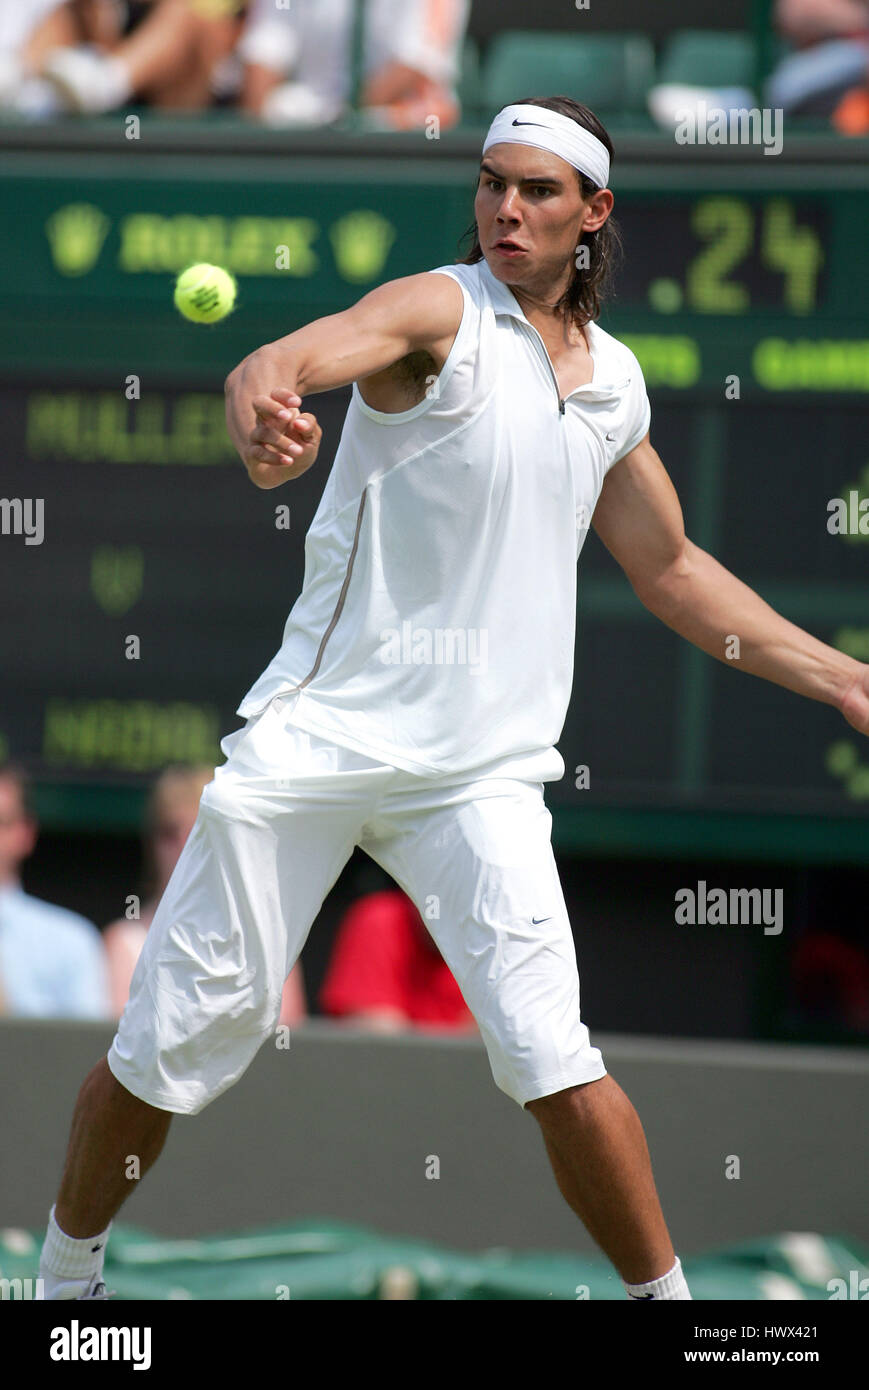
<point x="96" y="1289"/>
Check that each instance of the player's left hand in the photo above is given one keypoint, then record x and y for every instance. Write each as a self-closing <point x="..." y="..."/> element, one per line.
<point x="855" y="703"/>
<point x="284" y="439"/>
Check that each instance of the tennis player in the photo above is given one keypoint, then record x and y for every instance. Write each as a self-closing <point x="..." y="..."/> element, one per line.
<point x="422" y="683"/>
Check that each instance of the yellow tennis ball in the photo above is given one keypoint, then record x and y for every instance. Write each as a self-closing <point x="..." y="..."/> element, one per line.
<point x="205" y="293"/>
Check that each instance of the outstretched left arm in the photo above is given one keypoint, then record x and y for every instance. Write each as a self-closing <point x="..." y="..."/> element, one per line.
<point x="639" y="520"/>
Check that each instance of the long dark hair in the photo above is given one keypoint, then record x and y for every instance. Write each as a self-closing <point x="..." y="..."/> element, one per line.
<point x="584" y="295"/>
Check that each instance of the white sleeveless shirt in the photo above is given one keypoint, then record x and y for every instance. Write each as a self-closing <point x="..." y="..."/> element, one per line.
<point x="435" y="628"/>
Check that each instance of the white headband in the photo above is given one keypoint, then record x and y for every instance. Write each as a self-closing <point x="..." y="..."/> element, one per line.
<point x="549" y="130"/>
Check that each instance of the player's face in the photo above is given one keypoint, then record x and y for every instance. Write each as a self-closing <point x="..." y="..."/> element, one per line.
<point x="530" y="199"/>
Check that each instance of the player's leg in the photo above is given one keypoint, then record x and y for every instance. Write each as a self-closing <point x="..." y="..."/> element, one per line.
<point x="477" y="861"/>
<point x="274" y="830"/>
<point x="111" y="1129"/>
<point x="600" y="1159"/>
<point x="109" y="1126"/>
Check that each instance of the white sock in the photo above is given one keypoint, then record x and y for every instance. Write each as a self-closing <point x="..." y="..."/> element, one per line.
<point x="69" y="1266"/>
<point x="670" y="1286"/>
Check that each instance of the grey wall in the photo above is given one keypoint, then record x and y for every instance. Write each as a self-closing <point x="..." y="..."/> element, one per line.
<point x="340" y="1125"/>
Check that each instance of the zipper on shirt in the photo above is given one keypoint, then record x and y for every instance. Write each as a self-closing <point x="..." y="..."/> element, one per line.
<point x="616" y="387"/>
<point x="561" y="406"/>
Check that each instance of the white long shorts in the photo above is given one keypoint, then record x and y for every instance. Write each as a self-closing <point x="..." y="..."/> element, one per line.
<point x="274" y="830"/>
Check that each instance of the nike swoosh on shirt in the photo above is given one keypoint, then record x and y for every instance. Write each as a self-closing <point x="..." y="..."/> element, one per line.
<point x="537" y="920"/>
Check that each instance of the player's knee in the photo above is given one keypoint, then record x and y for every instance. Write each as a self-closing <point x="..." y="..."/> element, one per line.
<point x="558" y="1103"/>
<point x="545" y="1062"/>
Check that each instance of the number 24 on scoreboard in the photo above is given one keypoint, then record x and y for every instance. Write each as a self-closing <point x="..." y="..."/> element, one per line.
<point x="728" y="225"/>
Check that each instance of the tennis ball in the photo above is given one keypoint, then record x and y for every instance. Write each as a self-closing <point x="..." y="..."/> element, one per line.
<point x="205" y="293"/>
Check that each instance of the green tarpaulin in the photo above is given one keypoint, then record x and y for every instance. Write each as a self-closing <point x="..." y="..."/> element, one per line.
<point x="322" y="1259"/>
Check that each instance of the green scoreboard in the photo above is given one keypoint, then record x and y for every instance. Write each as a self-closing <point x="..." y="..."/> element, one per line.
<point x="145" y="581"/>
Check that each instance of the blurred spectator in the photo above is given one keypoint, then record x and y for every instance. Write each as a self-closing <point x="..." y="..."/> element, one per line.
<point x="386" y="973"/>
<point x="51" y="960"/>
<point x="92" y="56"/>
<point x="169" y="818"/>
<point x="25" y="29"/>
<point x="299" y="62"/>
<point x="808" y="21"/>
<point x="828" y="75"/>
<point x="830" y="977"/>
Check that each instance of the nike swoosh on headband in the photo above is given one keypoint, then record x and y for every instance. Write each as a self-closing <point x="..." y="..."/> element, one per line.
<point x="559" y="134"/>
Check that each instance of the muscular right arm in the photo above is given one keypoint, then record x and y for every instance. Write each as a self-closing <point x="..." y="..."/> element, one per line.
<point x="400" y="317"/>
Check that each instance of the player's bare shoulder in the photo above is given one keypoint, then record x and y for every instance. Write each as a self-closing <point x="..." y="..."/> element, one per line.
<point x="433" y="305"/>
